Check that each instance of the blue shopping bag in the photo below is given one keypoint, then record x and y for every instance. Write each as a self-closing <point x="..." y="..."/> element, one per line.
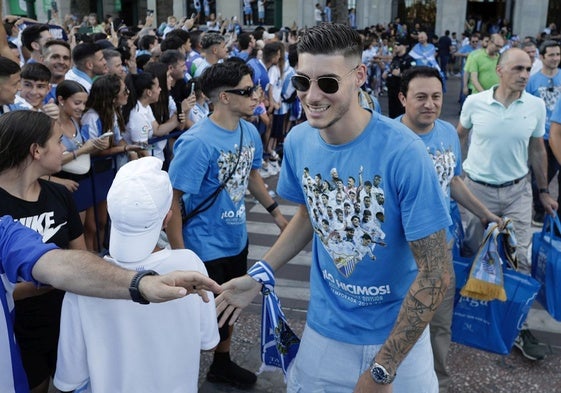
<point x="456" y="228"/>
<point x="546" y="265"/>
<point x="491" y="325"/>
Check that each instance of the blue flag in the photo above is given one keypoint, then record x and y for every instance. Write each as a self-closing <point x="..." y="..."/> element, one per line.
<point x="279" y="344"/>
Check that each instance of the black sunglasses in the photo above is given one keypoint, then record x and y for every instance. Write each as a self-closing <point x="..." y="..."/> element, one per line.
<point x="327" y="84"/>
<point x="248" y="91"/>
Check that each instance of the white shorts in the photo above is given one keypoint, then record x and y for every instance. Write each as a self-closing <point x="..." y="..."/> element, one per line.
<point x="323" y="365"/>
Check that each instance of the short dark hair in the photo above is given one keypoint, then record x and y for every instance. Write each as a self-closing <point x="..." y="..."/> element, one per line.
<point x="210" y="39"/>
<point x="293" y="55"/>
<point x="182" y="34"/>
<point x="32" y="33"/>
<point x="36" y="72"/>
<point x="142" y="60"/>
<point x="98" y="36"/>
<point x="528" y="44"/>
<point x="331" y="38"/>
<point x="418" y="72"/>
<point x="171" y="56"/>
<point x="173" y="42"/>
<point x="8" y="67"/>
<point x="145" y="41"/>
<point x="50" y="43"/>
<point x="548" y="44"/>
<point x="244" y="39"/>
<point x="84" y="51"/>
<point x="195" y="38"/>
<point x="223" y="75"/>
<point x="531" y="39"/>
<point x="271" y="49"/>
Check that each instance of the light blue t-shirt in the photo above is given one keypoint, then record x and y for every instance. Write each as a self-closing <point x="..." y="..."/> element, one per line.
<point x="20" y="248"/>
<point x="203" y="158"/>
<point x="366" y="199"/>
<point x="556" y="113"/>
<point x="260" y="74"/>
<point x="443" y="146"/>
<point x="549" y="90"/>
<point x="92" y="128"/>
<point x="465" y="49"/>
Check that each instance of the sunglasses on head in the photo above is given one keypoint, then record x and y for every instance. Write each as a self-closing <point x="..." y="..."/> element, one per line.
<point x="248" y="91"/>
<point x="327" y="84"/>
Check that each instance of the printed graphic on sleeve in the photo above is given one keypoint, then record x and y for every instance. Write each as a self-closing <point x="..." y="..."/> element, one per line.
<point x="346" y="216"/>
<point x="444" y="161"/>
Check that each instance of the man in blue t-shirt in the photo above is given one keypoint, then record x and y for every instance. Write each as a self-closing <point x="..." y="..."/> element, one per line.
<point x="380" y="269"/>
<point x="421" y="95"/>
<point x="213" y="166"/>
<point x="24" y="257"/>
<point x="546" y="84"/>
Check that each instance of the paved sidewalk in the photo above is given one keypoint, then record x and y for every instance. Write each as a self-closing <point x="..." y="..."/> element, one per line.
<point x="472" y="370"/>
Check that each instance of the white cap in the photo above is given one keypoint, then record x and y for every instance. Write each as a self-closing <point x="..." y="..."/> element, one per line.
<point x="137" y="202"/>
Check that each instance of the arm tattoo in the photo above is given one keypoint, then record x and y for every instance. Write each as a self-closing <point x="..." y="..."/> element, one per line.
<point x="424" y="296"/>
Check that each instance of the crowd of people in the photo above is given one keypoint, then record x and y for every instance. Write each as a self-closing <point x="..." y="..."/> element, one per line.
<point x="134" y="141"/>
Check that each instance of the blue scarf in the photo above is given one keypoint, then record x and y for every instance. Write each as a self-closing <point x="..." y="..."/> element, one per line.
<point x="279" y="344"/>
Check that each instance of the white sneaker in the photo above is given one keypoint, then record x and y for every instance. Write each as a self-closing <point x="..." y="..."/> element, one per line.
<point x="274" y="168"/>
<point x="264" y="172"/>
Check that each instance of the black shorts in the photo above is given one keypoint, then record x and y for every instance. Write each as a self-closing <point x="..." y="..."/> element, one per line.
<point x="224" y="269"/>
<point x="37" y="326"/>
<point x="277" y="130"/>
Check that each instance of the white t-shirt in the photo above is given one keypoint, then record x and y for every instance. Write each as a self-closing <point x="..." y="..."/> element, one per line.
<point x="317" y="15"/>
<point x="139" y="128"/>
<point x="199" y="112"/>
<point x="109" y="345"/>
<point x="275" y="82"/>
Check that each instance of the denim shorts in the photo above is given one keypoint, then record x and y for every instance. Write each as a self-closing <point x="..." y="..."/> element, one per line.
<point x="324" y="365"/>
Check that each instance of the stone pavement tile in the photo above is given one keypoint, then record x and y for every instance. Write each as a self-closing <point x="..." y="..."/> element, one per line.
<point x="482" y="372"/>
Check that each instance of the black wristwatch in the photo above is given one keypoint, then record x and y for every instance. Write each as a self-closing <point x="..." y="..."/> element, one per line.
<point x="544" y="191"/>
<point x="136" y="296"/>
<point x="380" y="374"/>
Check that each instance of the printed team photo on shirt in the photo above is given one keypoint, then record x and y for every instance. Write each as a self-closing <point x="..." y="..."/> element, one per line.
<point x="347" y="216"/>
<point x="445" y="161"/>
<point x="236" y="185"/>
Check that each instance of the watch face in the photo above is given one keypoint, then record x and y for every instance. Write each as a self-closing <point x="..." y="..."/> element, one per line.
<point x="380" y="375"/>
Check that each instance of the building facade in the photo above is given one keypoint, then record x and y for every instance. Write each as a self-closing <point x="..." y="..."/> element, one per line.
<point x="525" y="17"/>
